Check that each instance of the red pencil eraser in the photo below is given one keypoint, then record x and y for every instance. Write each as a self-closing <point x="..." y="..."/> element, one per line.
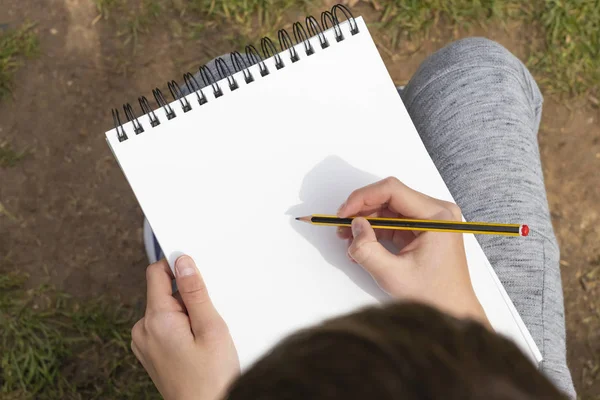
<point x="524" y="230"/>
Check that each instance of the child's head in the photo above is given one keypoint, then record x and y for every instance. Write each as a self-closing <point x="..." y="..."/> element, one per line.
<point x="401" y="351"/>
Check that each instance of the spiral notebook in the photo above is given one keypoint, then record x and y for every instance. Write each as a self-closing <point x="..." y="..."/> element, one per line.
<point x="222" y="172"/>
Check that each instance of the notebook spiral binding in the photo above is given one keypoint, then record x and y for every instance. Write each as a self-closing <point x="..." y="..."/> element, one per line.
<point x="252" y="57"/>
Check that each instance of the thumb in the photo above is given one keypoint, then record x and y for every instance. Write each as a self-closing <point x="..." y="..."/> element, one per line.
<point x="204" y="318"/>
<point x="367" y="251"/>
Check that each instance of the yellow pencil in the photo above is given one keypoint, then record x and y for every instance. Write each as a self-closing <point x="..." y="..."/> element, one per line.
<point x="423" y="225"/>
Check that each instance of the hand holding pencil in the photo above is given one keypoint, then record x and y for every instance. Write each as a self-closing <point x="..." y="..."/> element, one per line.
<point x="430" y="267"/>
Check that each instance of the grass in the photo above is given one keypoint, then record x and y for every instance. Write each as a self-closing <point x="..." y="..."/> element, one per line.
<point x="139" y="21"/>
<point x="240" y="12"/>
<point x="249" y="20"/>
<point x="10" y="157"/>
<point x="14" y="45"/>
<point x="139" y="15"/>
<point x="415" y="18"/>
<point x="52" y="347"/>
<point x="570" y="62"/>
<point x="104" y="7"/>
<point x="567" y="63"/>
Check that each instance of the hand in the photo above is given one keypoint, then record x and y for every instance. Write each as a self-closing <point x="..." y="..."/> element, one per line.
<point x="184" y="344"/>
<point x="431" y="267"/>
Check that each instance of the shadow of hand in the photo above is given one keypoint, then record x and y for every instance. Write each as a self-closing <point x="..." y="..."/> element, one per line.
<point x="323" y="190"/>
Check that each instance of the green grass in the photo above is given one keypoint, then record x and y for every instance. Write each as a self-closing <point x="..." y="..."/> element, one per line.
<point x="139" y="20"/>
<point x="249" y="19"/>
<point x="105" y="7"/>
<point x="415" y="18"/>
<point x="14" y="45"/>
<point x="52" y="347"/>
<point x="135" y="17"/>
<point x="570" y="62"/>
<point x="242" y="11"/>
<point x="567" y="63"/>
<point x="10" y="157"/>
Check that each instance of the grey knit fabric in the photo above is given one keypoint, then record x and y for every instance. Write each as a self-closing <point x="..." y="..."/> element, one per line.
<point x="477" y="109"/>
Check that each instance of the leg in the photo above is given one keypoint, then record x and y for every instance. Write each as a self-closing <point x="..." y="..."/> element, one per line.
<point x="478" y="110"/>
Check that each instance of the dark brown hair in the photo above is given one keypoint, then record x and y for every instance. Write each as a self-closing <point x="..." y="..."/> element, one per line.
<point x="402" y="351"/>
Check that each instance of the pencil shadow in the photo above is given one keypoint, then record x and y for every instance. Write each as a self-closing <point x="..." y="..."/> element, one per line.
<point x="323" y="190"/>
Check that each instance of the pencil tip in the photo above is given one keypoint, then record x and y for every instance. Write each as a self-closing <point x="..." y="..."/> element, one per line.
<point x="297" y="218"/>
<point x="303" y="219"/>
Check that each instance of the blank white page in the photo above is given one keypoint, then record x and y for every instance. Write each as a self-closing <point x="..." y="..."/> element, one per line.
<point x="293" y="143"/>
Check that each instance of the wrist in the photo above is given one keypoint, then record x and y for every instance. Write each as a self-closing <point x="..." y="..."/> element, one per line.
<point x="472" y="309"/>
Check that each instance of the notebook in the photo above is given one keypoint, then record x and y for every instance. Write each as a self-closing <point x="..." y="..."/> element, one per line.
<point x="223" y="181"/>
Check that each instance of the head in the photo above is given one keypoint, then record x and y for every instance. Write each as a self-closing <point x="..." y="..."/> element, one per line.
<point x="401" y="351"/>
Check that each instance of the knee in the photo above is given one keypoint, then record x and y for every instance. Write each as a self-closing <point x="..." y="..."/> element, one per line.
<point x="475" y="53"/>
<point x="477" y="48"/>
<point x="474" y="61"/>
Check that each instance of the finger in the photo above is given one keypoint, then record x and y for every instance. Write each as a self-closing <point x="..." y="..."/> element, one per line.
<point x="385" y="234"/>
<point x="348" y="253"/>
<point x="202" y="313"/>
<point x="138" y="335"/>
<point x="177" y="297"/>
<point x="344" y="232"/>
<point x="158" y="280"/>
<point x="367" y="251"/>
<point x="137" y="352"/>
<point x="140" y="356"/>
<point x="398" y="197"/>
<point x="402" y="238"/>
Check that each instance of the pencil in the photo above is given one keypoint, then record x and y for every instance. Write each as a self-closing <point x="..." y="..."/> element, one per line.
<point x="423" y="225"/>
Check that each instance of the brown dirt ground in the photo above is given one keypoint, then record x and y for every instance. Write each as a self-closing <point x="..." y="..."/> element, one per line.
<point x="75" y="223"/>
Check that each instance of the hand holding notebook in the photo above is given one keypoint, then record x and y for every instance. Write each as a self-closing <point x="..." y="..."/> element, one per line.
<point x="184" y="343"/>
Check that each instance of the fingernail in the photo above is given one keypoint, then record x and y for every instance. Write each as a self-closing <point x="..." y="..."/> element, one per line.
<point x="185" y="266"/>
<point x="356" y="228"/>
<point x="341" y="208"/>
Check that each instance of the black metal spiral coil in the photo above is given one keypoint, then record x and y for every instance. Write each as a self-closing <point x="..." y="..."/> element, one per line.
<point x="177" y="94"/>
<point x="130" y="114"/>
<point x="301" y="36"/>
<point x="162" y="102"/>
<point x="194" y="87"/>
<point x="240" y="65"/>
<point x="224" y="72"/>
<point x="147" y="110"/>
<point x="252" y="57"/>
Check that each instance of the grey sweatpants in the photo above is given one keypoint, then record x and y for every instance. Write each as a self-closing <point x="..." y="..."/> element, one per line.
<point x="477" y="109"/>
